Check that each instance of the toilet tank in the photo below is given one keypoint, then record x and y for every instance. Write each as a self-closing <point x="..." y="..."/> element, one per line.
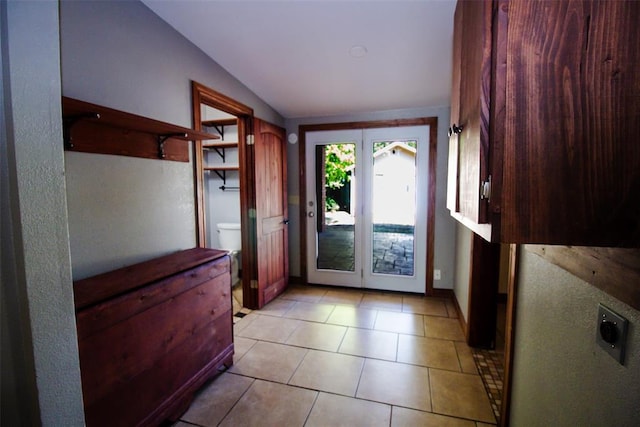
<point x="229" y="236"/>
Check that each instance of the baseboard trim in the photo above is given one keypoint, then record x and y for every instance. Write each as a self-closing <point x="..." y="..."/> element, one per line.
<point x="443" y="293"/>
<point x="463" y="323"/>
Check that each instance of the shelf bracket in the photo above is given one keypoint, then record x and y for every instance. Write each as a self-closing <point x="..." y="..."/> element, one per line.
<point x="222" y="175"/>
<point x="220" y="130"/>
<point x="221" y="154"/>
<point x="163" y="138"/>
<point x="69" y="121"/>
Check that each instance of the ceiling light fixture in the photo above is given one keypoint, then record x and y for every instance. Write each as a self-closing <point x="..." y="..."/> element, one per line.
<point x="358" y="51"/>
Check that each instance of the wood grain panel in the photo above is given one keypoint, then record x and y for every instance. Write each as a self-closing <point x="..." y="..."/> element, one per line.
<point x="155" y="401"/>
<point x="143" y="354"/>
<point x="108" y="285"/>
<point x="271" y="211"/>
<point x="453" y="178"/>
<point x="615" y="271"/>
<point x="94" y="137"/>
<point x="475" y="86"/>
<point x="572" y="120"/>
<point x="115" y="310"/>
<point x="141" y="340"/>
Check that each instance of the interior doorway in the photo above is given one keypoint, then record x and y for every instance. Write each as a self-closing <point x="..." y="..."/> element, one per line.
<point x="219" y="183"/>
<point x="368" y="190"/>
<point x="246" y="165"/>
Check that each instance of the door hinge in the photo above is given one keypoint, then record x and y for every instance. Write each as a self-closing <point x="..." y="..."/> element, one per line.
<point x="250" y="140"/>
<point x="253" y="284"/>
<point x="485" y="189"/>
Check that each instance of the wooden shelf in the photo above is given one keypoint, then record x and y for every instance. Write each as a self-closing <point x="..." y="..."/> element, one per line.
<point x="220" y="122"/>
<point x="96" y="129"/>
<point x="222" y="168"/>
<point x="219" y="145"/>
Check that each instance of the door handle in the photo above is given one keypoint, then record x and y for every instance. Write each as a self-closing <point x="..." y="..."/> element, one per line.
<point x="311" y="214"/>
<point x="285" y="221"/>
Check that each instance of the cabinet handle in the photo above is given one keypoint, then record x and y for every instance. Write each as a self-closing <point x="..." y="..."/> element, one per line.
<point x="485" y="189"/>
<point x="455" y="130"/>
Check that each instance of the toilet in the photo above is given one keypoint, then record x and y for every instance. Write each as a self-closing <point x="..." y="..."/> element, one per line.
<point x="230" y="239"/>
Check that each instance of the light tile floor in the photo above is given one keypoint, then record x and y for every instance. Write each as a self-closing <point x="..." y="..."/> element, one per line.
<point x="320" y="356"/>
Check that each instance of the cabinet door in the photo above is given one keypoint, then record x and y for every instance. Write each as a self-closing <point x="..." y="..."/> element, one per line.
<point x="571" y="172"/>
<point x="469" y="148"/>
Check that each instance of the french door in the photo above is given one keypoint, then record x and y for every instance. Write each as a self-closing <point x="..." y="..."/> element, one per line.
<point x="366" y="207"/>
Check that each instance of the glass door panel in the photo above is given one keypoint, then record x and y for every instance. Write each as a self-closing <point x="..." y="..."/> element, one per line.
<point x="394" y="207"/>
<point x="335" y="170"/>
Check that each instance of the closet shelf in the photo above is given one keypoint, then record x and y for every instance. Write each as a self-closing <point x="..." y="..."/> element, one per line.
<point x="222" y="168"/>
<point x="213" y="146"/>
<point x="220" y="122"/>
<point x="96" y="129"/>
<point x="221" y="171"/>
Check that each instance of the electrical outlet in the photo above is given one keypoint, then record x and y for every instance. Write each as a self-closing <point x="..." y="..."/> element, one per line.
<point x="611" y="333"/>
<point x="436" y="275"/>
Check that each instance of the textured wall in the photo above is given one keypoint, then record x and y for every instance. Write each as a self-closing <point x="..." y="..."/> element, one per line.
<point x="125" y="210"/>
<point x="561" y="376"/>
<point x="444" y="224"/>
<point x="38" y="322"/>
<point x="463" y="238"/>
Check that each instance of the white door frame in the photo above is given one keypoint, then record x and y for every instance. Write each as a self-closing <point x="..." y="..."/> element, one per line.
<point x="363" y="275"/>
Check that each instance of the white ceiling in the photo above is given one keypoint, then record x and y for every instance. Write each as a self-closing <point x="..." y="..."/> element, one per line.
<point x="294" y="54"/>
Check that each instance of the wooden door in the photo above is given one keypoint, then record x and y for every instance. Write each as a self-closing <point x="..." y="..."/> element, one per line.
<point x="271" y="219"/>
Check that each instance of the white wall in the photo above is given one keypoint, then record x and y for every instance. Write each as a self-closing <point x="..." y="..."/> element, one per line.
<point x="463" y="240"/>
<point x="40" y="368"/>
<point x="561" y="376"/>
<point x="121" y="55"/>
<point x="444" y="224"/>
<point x="222" y="206"/>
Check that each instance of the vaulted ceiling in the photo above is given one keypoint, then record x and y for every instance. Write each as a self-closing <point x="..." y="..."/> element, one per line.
<point x="318" y="58"/>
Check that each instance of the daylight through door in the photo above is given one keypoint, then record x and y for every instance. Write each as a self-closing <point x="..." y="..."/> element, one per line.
<point x="366" y="207"/>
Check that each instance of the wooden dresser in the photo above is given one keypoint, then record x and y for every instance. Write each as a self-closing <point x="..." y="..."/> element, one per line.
<point x="151" y="334"/>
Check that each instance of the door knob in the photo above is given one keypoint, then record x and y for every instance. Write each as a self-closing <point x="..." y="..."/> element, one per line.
<point x="311" y="214"/>
<point x="285" y="221"/>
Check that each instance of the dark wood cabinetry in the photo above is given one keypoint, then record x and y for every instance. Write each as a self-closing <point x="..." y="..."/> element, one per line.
<point x="544" y="119"/>
<point x="151" y="334"/>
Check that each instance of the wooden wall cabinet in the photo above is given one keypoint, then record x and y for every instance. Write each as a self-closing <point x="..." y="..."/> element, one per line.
<point x="545" y="114"/>
<point x="151" y="334"/>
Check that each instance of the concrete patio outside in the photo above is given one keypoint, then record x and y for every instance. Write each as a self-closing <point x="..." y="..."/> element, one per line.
<point x="393" y="249"/>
